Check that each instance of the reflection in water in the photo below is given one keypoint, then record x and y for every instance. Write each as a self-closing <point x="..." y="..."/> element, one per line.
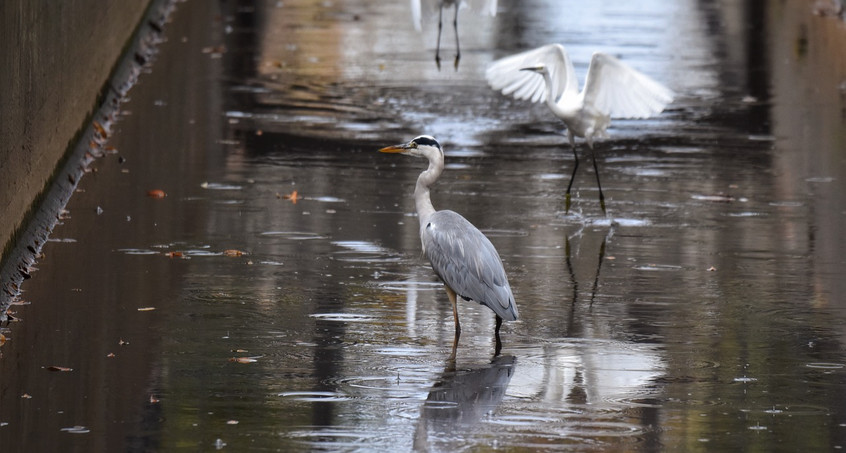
<point x="460" y="399"/>
<point x="419" y="7"/>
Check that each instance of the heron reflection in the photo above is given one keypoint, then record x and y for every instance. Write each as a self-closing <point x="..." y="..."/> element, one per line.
<point x="428" y="7"/>
<point x="461" y="398"/>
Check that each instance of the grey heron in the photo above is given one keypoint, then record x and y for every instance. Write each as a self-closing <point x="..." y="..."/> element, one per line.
<point x="612" y="90"/>
<point x="461" y="256"/>
<point x="484" y="6"/>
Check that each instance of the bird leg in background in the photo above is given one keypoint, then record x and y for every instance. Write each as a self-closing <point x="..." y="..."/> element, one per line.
<point x="601" y="196"/>
<point x="440" y="29"/>
<point x="496" y="336"/>
<point x="455" y="27"/>
<point x="572" y="177"/>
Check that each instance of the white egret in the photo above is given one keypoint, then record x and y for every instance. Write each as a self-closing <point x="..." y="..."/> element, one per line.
<point x="462" y="257"/>
<point x="612" y="90"/>
<point x="418" y="6"/>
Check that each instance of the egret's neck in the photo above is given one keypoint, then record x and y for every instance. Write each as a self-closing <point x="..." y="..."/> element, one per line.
<point x="422" y="200"/>
<point x="566" y="109"/>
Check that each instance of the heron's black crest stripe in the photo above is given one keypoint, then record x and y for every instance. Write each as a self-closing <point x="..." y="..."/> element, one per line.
<point x="426" y="140"/>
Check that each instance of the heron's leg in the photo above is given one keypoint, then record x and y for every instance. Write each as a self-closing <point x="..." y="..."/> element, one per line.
<point x="452" y="299"/>
<point x="440" y="28"/>
<point x="601" y="196"/>
<point x="496" y="336"/>
<point x="573" y="176"/>
<point x="455" y="27"/>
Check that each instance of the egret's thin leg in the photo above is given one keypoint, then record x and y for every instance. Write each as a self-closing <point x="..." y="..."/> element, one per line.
<point x="496" y="336"/>
<point x="455" y="27"/>
<point x="572" y="178"/>
<point x="440" y="28"/>
<point x="601" y="196"/>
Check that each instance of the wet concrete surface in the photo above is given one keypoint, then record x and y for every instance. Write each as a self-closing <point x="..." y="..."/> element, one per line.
<point x="705" y="311"/>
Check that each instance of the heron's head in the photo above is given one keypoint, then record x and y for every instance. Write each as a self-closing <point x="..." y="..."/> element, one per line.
<point x="424" y="146"/>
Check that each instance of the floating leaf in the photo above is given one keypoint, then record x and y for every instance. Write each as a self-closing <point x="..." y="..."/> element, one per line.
<point x="59" y="368"/>
<point x="146" y="308"/>
<point x="232" y="252"/>
<point x="153" y="399"/>
<point x="712" y="269"/>
<point x="121" y="342"/>
<point x="174" y="254"/>
<point x="242" y="360"/>
<point x="293" y="196"/>
<point x="156" y="193"/>
<point x="100" y="129"/>
<point x="110" y="355"/>
<point x="26" y="396"/>
<point x="2" y="339"/>
<point x="232" y="422"/>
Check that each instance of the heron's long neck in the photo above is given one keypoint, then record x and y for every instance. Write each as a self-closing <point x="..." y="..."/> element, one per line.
<point x="421" y="192"/>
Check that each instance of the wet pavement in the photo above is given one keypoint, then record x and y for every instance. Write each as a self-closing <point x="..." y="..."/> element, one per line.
<point x="276" y="298"/>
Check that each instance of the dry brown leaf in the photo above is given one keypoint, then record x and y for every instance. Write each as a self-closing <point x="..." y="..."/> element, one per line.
<point x="146" y="308"/>
<point x="100" y="129"/>
<point x="293" y="196"/>
<point x="110" y="355"/>
<point x="26" y="396"/>
<point x="242" y="359"/>
<point x="59" y="368"/>
<point x="156" y="193"/>
<point x="2" y="339"/>
<point x="232" y="252"/>
<point x="121" y="342"/>
<point x="153" y="399"/>
<point x="232" y="422"/>
<point x="174" y="254"/>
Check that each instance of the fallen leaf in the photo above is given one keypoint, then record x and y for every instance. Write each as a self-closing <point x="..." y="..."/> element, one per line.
<point x="232" y="422"/>
<point x="232" y="252"/>
<point x="242" y="359"/>
<point x="174" y="254"/>
<point x="100" y="129"/>
<point x="146" y="308"/>
<point x="110" y="355"/>
<point x="2" y="339"/>
<point x="241" y="351"/>
<point x="153" y="399"/>
<point x="293" y="196"/>
<point x="156" y="193"/>
<point x="121" y="342"/>
<point x="59" y="368"/>
<point x="712" y="269"/>
<point x="26" y="396"/>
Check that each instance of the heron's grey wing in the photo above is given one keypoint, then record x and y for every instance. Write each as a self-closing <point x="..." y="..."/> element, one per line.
<point x="467" y="262"/>
<point x="505" y="74"/>
<point x="620" y="91"/>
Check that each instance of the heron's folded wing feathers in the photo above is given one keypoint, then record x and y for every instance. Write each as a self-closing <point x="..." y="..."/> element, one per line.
<point x="468" y="263"/>
<point x="620" y="91"/>
<point x="505" y="74"/>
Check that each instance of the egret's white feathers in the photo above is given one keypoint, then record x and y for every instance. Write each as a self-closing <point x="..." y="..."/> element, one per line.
<point x="620" y="91"/>
<point x="507" y="74"/>
<point x="431" y="8"/>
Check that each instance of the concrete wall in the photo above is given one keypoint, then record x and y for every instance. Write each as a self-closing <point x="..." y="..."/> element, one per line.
<point x="55" y="58"/>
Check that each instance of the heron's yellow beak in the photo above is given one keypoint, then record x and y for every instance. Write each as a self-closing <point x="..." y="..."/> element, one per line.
<point x="394" y="148"/>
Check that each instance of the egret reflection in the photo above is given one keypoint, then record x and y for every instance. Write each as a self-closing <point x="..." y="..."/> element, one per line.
<point x="461" y="398"/>
<point x="419" y="8"/>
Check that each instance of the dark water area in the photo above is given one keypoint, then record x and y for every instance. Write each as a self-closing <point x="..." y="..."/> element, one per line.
<point x="276" y="298"/>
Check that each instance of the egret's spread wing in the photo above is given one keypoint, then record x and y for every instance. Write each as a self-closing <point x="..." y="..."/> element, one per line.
<point x="505" y="74"/>
<point x="467" y="262"/>
<point x="620" y="91"/>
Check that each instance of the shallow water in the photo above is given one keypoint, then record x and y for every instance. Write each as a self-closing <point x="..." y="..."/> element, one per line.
<point x="704" y="311"/>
